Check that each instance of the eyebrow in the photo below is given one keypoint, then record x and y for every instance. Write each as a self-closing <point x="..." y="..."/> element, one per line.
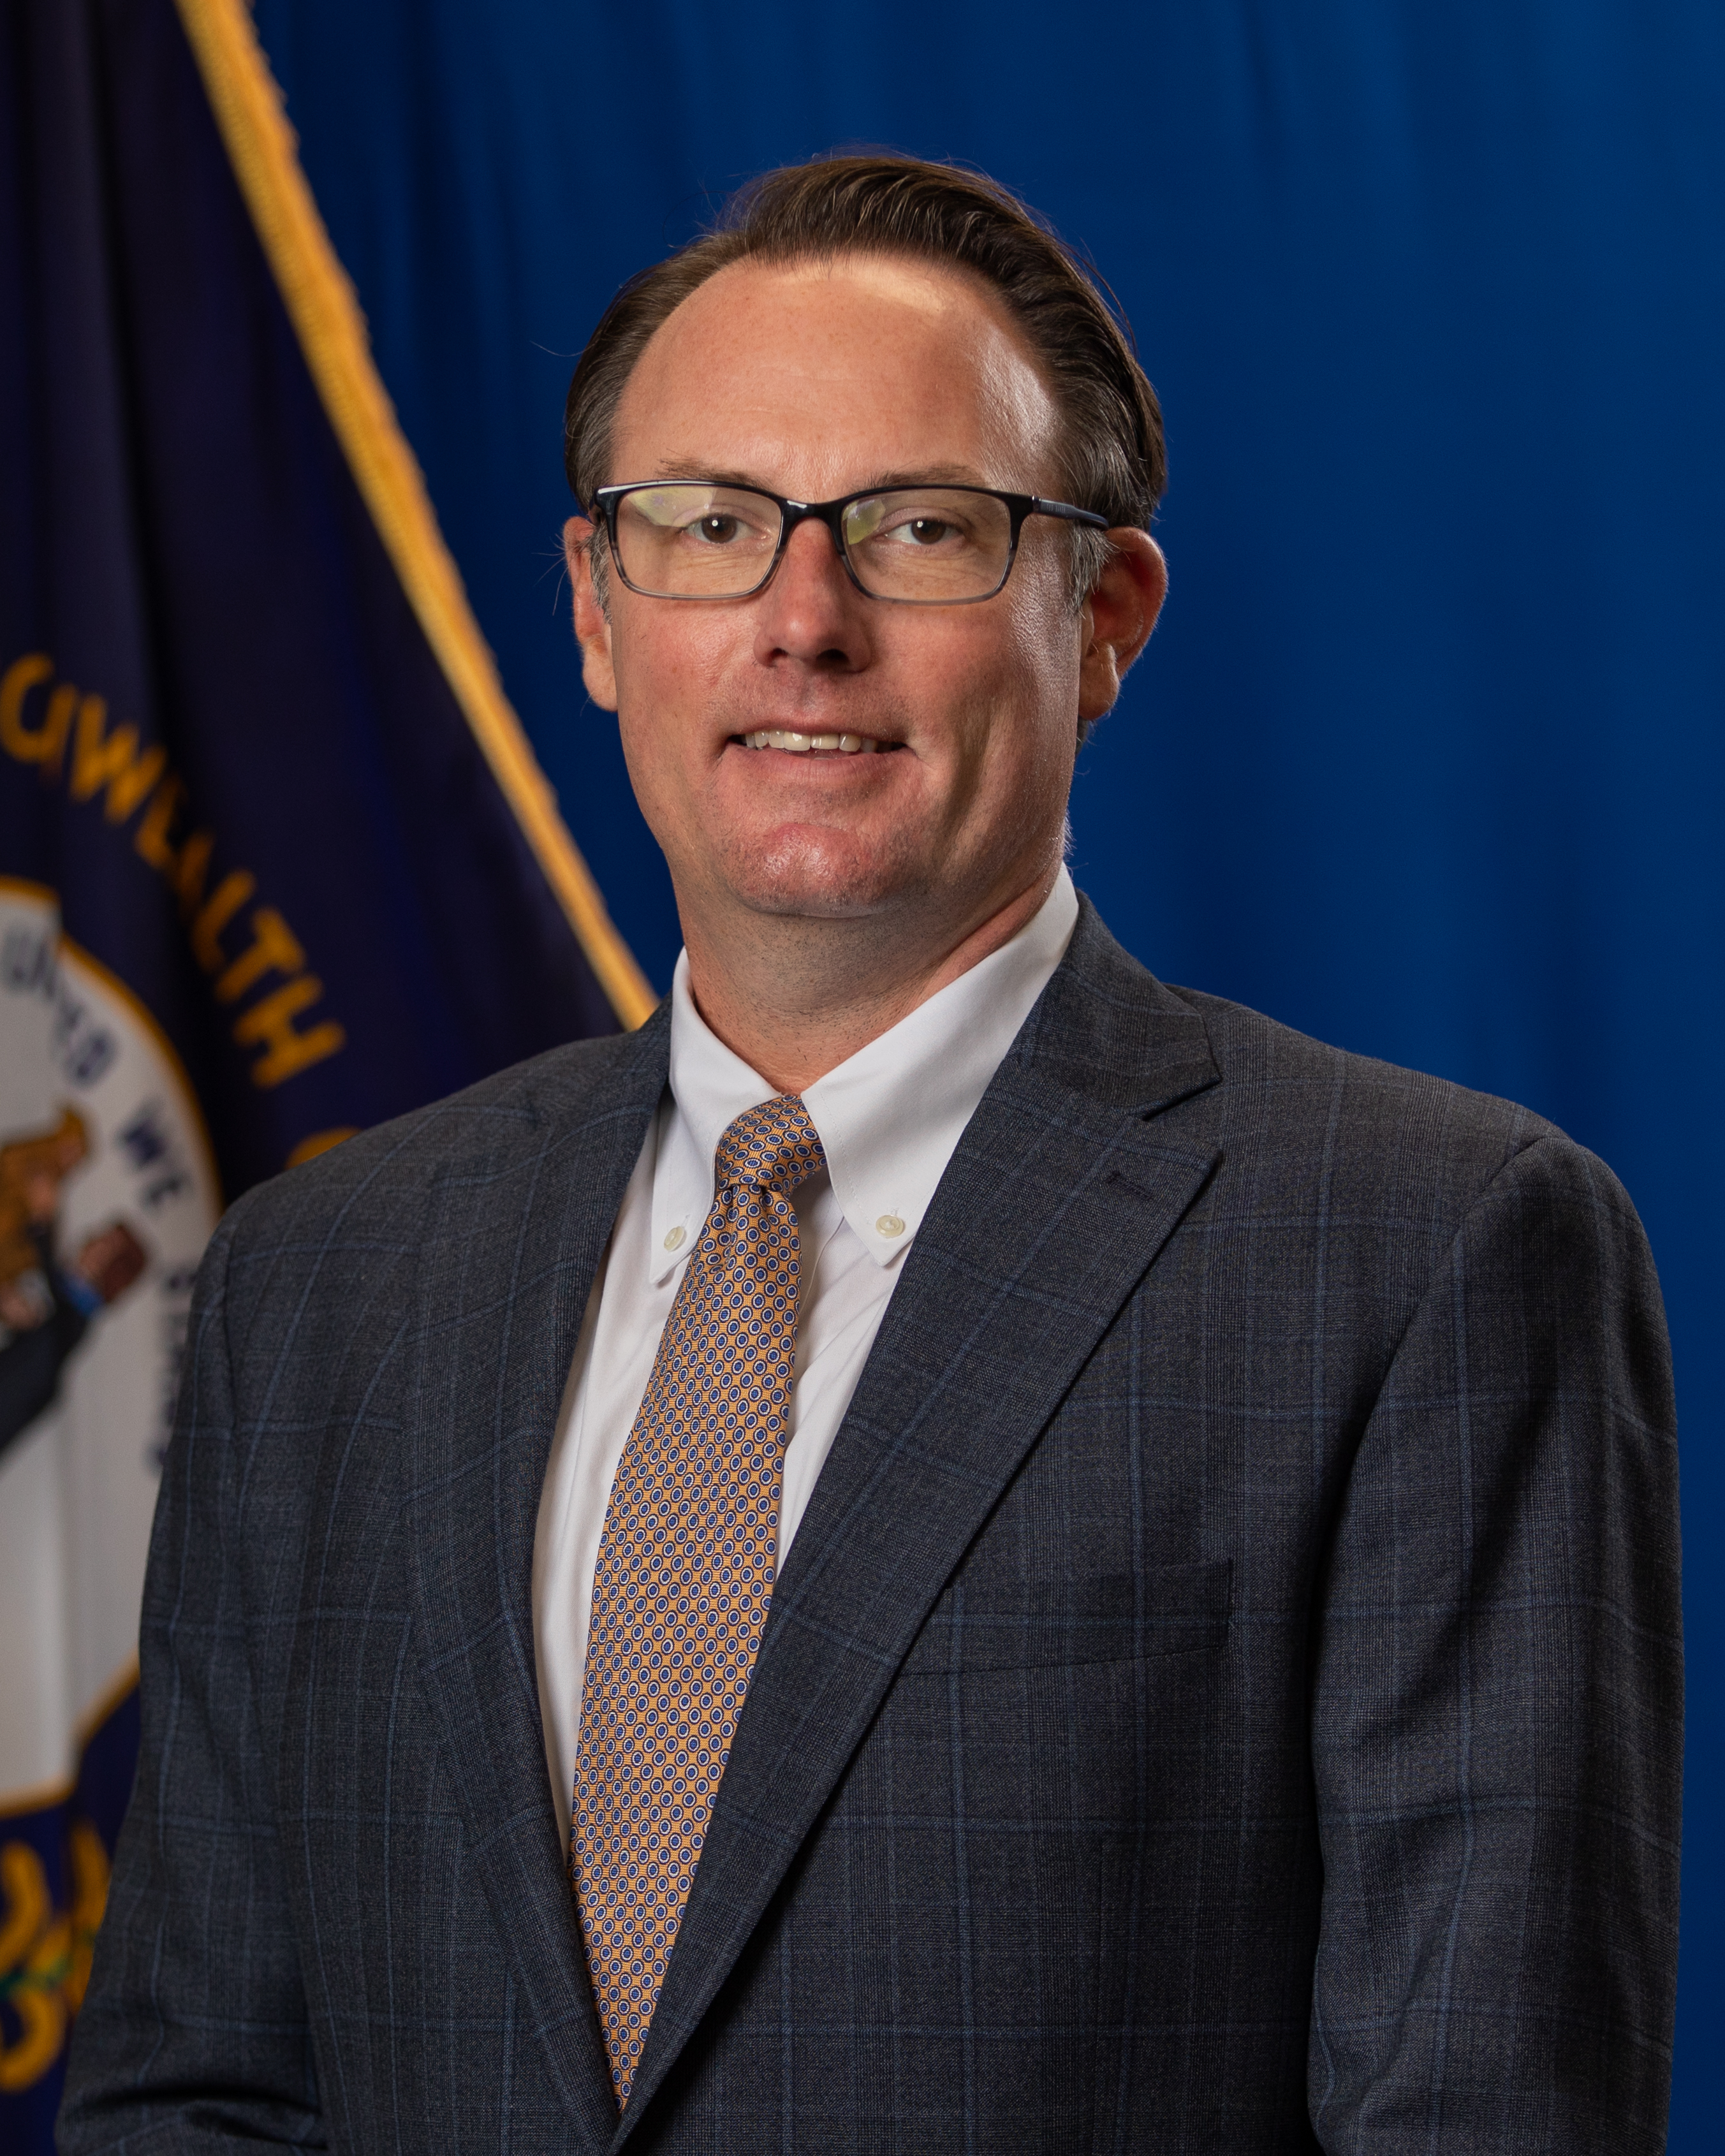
<point x="952" y="475"/>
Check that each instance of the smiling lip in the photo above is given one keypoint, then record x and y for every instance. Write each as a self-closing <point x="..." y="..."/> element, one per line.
<point x="813" y="744"/>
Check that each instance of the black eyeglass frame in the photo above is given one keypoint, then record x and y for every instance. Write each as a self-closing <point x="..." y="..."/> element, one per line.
<point x="607" y="501"/>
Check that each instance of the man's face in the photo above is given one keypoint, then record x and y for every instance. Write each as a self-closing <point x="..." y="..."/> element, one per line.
<point x="812" y="382"/>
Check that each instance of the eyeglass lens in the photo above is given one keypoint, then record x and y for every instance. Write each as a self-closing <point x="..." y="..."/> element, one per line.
<point x="691" y="539"/>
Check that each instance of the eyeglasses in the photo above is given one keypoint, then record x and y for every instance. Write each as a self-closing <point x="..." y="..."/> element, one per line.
<point x="919" y="546"/>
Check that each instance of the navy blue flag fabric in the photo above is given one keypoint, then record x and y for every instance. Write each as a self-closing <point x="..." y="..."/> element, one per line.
<point x="260" y="883"/>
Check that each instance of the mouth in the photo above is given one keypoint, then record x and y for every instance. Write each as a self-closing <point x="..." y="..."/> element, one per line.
<point x="814" y="744"/>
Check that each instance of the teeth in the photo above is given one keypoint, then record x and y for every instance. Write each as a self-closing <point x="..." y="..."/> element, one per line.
<point x="801" y="744"/>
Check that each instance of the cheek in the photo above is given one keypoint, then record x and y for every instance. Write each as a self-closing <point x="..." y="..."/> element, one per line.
<point x="666" y="681"/>
<point x="655" y="666"/>
<point x="1034" y="676"/>
<point x="1022" y="659"/>
<point x="653" y="749"/>
<point x="1046" y="633"/>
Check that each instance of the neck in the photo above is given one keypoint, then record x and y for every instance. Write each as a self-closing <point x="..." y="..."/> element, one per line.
<point x="795" y="996"/>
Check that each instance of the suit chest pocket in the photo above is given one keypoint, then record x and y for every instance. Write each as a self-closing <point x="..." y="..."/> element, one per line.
<point x="990" y="1623"/>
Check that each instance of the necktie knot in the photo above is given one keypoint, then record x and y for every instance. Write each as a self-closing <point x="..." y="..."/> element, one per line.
<point x="775" y="1145"/>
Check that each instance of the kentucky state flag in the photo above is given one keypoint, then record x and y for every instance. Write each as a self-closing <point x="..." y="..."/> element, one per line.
<point x="274" y="860"/>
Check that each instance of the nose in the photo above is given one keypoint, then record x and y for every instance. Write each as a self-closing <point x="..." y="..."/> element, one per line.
<point x="811" y="613"/>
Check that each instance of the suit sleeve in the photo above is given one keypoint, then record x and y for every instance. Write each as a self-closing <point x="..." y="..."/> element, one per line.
<point x="1496" y="1701"/>
<point x="193" y="2035"/>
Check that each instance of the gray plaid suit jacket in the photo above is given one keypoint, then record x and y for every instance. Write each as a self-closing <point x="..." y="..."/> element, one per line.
<point x="1224" y="1695"/>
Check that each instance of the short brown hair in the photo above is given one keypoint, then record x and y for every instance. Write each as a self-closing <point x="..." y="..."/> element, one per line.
<point x="1110" y="453"/>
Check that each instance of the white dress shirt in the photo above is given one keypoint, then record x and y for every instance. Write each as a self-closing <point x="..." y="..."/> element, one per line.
<point x="889" y="1119"/>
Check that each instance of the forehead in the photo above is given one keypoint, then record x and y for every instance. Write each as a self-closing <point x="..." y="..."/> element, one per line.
<point x="834" y="372"/>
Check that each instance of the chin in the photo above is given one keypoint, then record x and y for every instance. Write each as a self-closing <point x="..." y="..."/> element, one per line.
<point x="818" y="881"/>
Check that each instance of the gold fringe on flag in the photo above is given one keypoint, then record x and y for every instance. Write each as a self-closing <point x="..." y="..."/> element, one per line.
<point x="326" y="313"/>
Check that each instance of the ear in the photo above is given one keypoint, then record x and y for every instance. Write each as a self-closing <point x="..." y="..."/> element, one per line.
<point x="593" y="628"/>
<point x="1118" y="617"/>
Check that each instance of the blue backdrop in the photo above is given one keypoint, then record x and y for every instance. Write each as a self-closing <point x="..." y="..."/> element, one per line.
<point x="1434" y="299"/>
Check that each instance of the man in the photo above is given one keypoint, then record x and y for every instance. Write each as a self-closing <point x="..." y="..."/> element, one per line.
<point x="947" y="1547"/>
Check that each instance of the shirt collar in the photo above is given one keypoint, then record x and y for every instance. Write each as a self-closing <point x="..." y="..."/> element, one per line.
<point x="889" y="1117"/>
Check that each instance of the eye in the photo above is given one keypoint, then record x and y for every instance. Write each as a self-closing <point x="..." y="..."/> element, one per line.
<point x="923" y="529"/>
<point x="952" y="523"/>
<point x="696" y="514"/>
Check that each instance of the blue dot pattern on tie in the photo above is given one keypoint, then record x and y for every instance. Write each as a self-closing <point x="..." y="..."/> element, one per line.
<point x="685" y="1569"/>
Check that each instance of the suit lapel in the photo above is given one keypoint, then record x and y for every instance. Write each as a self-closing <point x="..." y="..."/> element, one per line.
<point x="1059" y="1197"/>
<point x="520" y="1224"/>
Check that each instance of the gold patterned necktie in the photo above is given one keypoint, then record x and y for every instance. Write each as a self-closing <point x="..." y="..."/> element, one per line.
<point x="685" y="1570"/>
